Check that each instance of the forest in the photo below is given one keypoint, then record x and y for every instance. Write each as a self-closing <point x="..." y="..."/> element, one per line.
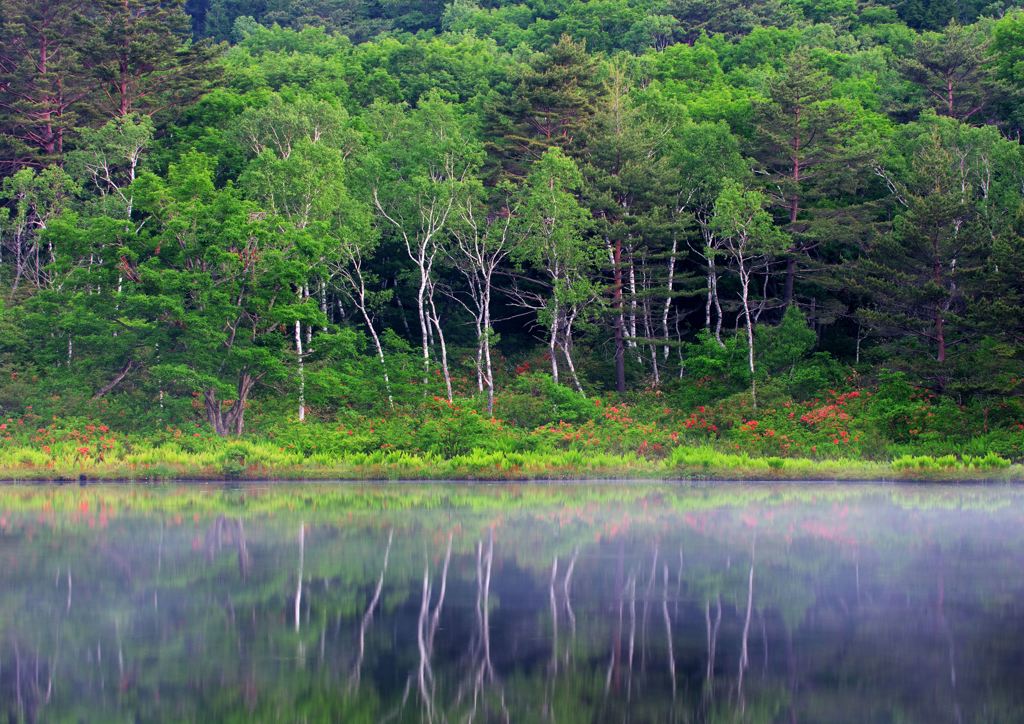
<point x="504" y="239"/>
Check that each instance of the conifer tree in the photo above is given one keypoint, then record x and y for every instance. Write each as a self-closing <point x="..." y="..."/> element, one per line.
<point x="800" y="149"/>
<point x="551" y="106"/>
<point x="952" y="70"/>
<point x="140" y="55"/>
<point x="41" y="79"/>
<point x="924" y="280"/>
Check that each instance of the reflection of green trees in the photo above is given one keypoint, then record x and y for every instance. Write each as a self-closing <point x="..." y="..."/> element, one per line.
<point x="182" y="600"/>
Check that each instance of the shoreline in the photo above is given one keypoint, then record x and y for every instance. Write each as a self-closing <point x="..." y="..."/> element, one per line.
<point x="750" y="469"/>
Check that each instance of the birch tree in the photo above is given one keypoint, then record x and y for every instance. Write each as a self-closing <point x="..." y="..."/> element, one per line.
<point x="34" y="199"/>
<point x="483" y="241"/>
<point x="704" y="156"/>
<point x="300" y="175"/>
<point x="751" y="240"/>
<point x="554" y="244"/>
<point x="425" y="165"/>
<point x="303" y="191"/>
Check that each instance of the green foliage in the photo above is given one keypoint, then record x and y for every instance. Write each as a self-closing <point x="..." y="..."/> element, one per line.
<point x="716" y="369"/>
<point x="534" y="400"/>
<point x="784" y="345"/>
<point x="223" y="235"/>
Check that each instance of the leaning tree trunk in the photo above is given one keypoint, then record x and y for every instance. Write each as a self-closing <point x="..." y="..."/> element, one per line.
<point x="380" y="354"/>
<point x="570" y="320"/>
<point x="435" y="320"/>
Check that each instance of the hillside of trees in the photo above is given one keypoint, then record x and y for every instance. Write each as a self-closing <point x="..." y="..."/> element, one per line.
<point x="236" y="214"/>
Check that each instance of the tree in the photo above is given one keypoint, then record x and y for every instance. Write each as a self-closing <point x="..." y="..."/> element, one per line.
<point x="41" y="79"/>
<point x="34" y="198"/>
<point x="1008" y="60"/>
<point x="304" y="191"/>
<point x="301" y="173"/>
<point x="927" y="280"/>
<point x="732" y="17"/>
<point x="625" y="172"/>
<point x="424" y="167"/>
<point x="109" y="159"/>
<point x="554" y="243"/>
<point x="483" y="242"/>
<point x="800" y="149"/>
<point x="952" y="70"/>
<point x="751" y="240"/>
<point x="218" y="279"/>
<point x="550" y="106"/>
<point x="140" y="54"/>
<point x="924" y="267"/>
<point x="704" y="155"/>
<point x="219" y="20"/>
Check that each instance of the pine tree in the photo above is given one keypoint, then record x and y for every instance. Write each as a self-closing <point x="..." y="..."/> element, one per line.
<point x="41" y="79"/>
<point x="140" y="54"/>
<point x="924" y="280"/>
<point x="552" y="104"/>
<point x="952" y="70"/>
<point x="626" y="173"/>
<point x="800" y="149"/>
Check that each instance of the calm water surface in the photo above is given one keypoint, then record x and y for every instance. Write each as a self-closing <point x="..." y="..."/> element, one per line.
<point x="519" y="603"/>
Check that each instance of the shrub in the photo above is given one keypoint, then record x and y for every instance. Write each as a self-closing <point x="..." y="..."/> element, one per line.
<point x="535" y="399"/>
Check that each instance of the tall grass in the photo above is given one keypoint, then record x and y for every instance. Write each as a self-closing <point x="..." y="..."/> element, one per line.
<point x="254" y="458"/>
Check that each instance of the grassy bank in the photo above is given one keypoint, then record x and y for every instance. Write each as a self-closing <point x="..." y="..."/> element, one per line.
<point x="549" y="433"/>
<point x="254" y="459"/>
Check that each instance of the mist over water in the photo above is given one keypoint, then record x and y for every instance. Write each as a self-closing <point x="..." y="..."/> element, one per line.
<point x="521" y="603"/>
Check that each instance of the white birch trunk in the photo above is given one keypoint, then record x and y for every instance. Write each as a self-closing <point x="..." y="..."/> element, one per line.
<point x="302" y="371"/>
<point x="435" y="320"/>
<point x="631" y="342"/>
<point x="745" y="294"/>
<point x="668" y="296"/>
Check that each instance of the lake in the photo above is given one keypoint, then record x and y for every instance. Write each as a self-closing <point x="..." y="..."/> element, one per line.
<point x="617" y="602"/>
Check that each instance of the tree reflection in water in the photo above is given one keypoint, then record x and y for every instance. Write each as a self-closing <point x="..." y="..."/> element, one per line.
<point x="512" y="603"/>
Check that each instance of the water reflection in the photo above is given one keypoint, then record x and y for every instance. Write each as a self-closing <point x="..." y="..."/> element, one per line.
<point x="512" y="603"/>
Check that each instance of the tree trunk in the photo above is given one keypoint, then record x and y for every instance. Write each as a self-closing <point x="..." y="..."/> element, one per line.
<point x="718" y="304"/>
<point x="424" y="331"/>
<point x="631" y="341"/>
<point x="787" y="294"/>
<point x="118" y="378"/>
<point x="230" y="421"/>
<point x="380" y="353"/>
<point x="745" y="288"/>
<point x="444" y="359"/>
<point x="488" y="365"/>
<point x="479" y="361"/>
<point x="553" y="341"/>
<point x="436" y="322"/>
<point x="358" y="285"/>
<point x="668" y="295"/>
<point x="567" y="351"/>
<point x="302" y="371"/>
<point x="620" y="350"/>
